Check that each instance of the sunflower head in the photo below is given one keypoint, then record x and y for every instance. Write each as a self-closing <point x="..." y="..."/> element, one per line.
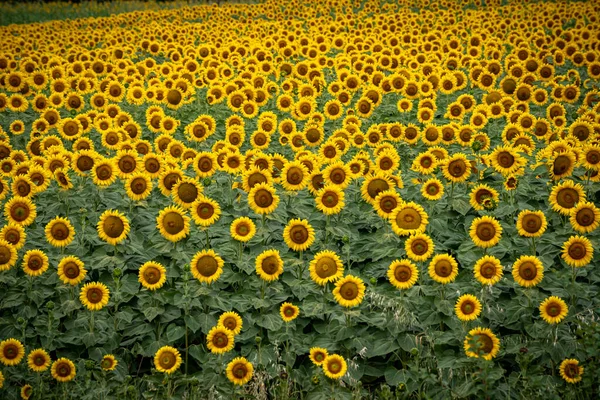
<point x="113" y="227"/>
<point x="173" y="224"/>
<point x="207" y="266"/>
<point x="289" y="312"/>
<point x="298" y="234"/>
<point x="220" y="340"/>
<point x="553" y="310"/>
<point x="60" y="232"/>
<point x="349" y="291"/>
<point x="326" y="267"/>
<point x="38" y="360"/>
<point x="63" y="370"/>
<point x="467" y="307"/>
<point x="152" y="275"/>
<point x="231" y="321"/>
<point x="71" y="270"/>
<point x="403" y="274"/>
<point x="571" y="371"/>
<point x="94" y="295"/>
<point x="488" y="270"/>
<point x="242" y="229"/>
<point x="528" y="271"/>
<point x="109" y="363"/>
<point x="481" y="343"/>
<point x="262" y="198"/>
<point x="419" y="247"/>
<point x="318" y="355"/>
<point x="35" y="262"/>
<point x="12" y="352"/>
<point x="485" y="231"/>
<point x="577" y="251"/>
<point x="531" y="223"/>
<point x="334" y="366"/>
<point x="443" y="268"/>
<point x="167" y="359"/>
<point x="239" y="371"/>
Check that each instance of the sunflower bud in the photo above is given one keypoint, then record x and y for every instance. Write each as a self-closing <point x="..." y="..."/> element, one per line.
<point x="21" y="321"/>
<point x="50" y="305"/>
<point x="373" y="280"/>
<point x="414" y="351"/>
<point x="73" y="112"/>
<point x="206" y="181"/>
<point x="476" y="146"/>
<point x="131" y="390"/>
<point x="257" y="340"/>
<point x="117" y="272"/>
<point x="283" y="375"/>
<point x="89" y="364"/>
<point x="346" y="239"/>
<point x="315" y="379"/>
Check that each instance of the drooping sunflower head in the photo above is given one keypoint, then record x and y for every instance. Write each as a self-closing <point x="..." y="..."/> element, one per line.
<point x="571" y="371"/>
<point x="239" y="371"/>
<point x="318" y="355"/>
<point x="167" y="359"/>
<point x="349" y="291"/>
<point x="269" y="265"/>
<point x="481" y="343"/>
<point x="109" y="363"/>
<point x="242" y="229"/>
<point x="298" y="234"/>
<point x="152" y="275"/>
<point x="485" y="231"/>
<point x="59" y="232"/>
<point x="12" y="352"/>
<point x="467" y="308"/>
<point x="63" y="370"/>
<point x="326" y="267"/>
<point x="231" y="321"/>
<point x="443" y="268"/>
<point x="289" y="312"/>
<point x="528" y="271"/>
<point x="173" y="223"/>
<point x="207" y="266"/>
<point x="94" y="295"/>
<point x="38" y="360"/>
<point x="403" y="274"/>
<point x="113" y="227"/>
<point x="553" y="310"/>
<point x="577" y="251"/>
<point x="488" y="270"/>
<point x="220" y="340"/>
<point x="334" y="366"/>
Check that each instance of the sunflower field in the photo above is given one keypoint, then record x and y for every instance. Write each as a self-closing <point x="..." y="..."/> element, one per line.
<point x="376" y="199"/>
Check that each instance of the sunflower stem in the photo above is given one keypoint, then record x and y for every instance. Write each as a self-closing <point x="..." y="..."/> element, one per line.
<point x="241" y="252"/>
<point x="533" y="246"/>
<point x="451" y="191"/>
<point x="300" y="265"/>
<point x="207" y="239"/>
<point x="92" y="322"/>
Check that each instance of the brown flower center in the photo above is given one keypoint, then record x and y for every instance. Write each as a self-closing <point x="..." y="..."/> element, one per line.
<point x="567" y="197"/>
<point x="187" y="192"/>
<point x="585" y="217"/>
<point x="240" y="371"/>
<point x="577" y="251"/>
<point x="443" y="268"/>
<point x="553" y="309"/>
<point x="270" y="265"/>
<point x="220" y="340"/>
<point x="419" y="246"/>
<point x="173" y="223"/>
<point x="113" y="226"/>
<point x="408" y="218"/>
<point x="138" y="185"/>
<point x="337" y="176"/>
<point x="325" y="267"/>
<point x="528" y="271"/>
<point x="19" y="212"/>
<point x="35" y="262"/>
<point x="207" y="266"/>
<point x="263" y="198"/>
<point x="485" y="231"/>
<point x="71" y="270"/>
<point x="467" y="307"/>
<point x="388" y="204"/>
<point x="205" y="210"/>
<point x="485" y="343"/>
<point x="295" y="175"/>
<point x="403" y="273"/>
<point x="561" y="165"/>
<point x="59" y="231"/>
<point x="349" y="291"/>
<point x="152" y="275"/>
<point x="167" y="360"/>
<point x="94" y="295"/>
<point x="299" y="234"/>
<point x="230" y="323"/>
<point x="11" y="351"/>
<point x="377" y="186"/>
<point x="457" y="168"/>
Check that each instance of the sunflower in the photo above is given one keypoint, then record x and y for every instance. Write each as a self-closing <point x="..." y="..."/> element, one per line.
<point x="207" y="266"/>
<point x="425" y="163"/>
<point x="186" y="191"/>
<point x="167" y="359"/>
<point x="59" y="232"/>
<point x="173" y="223"/>
<point x="528" y="271"/>
<point x="63" y="370"/>
<point x="231" y="321"/>
<point x="485" y="231"/>
<point x="349" y="291"/>
<point x="553" y="310"/>
<point x="152" y="275"/>
<point x="239" y="371"/>
<point x="337" y="174"/>
<point x="409" y="218"/>
<point x="205" y="211"/>
<point x="220" y="340"/>
<point x="467" y="307"/>
<point x="488" y="270"/>
<point x="325" y="267"/>
<point x="71" y="270"/>
<point x="298" y="234"/>
<point x="330" y="199"/>
<point x="94" y="295"/>
<point x="104" y="172"/>
<point x="38" y="360"/>
<point x="242" y="229"/>
<point x="432" y="189"/>
<point x="288" y="312"/>
<point x="506" y="160"/>
<point x="35" y="262"/>
<point x="481" y="343"/>
<point x="561" y="165"/>
<point x="443" y="268"/>
<point x="108" y="363"/>
<point x="565" y="196"/>
<point x="294" y="176"/>
<point x="571" y="371"/>
<point x="262" y="199"/>
<point x="269" y="265"/>
<point x="577" y="251"/>
<point x="585" y="217"/>
<point x="373" y="185"/>
<point x="138" y="186"/>
<point x="12" y="352"/>
<point x="403" y="274"/>
<point x="531" y="223"/>
<point x="480" y="193"/>
<point x="318" y="355"/>
<point x="419" y="247"/>
<point x="334" y="366"/>
<point x="20" y="210"/>
<point x="456" y="168"/>
<point x="113" y="227"/>
<point x="8" y="255"/>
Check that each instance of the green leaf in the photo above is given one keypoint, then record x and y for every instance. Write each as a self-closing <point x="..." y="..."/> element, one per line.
<point x="394" y="377"/>
<point x="270" y="322"/>
<point x="175" y="333"/>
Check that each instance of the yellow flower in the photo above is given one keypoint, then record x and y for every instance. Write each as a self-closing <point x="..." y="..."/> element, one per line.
<point x="386" y="202"/>
<point x="113" y="227"/>
<point x="456" y="168"/>
<point x="231" y="321"/>
<point x="565" y="196"/>
<point x="349" y="291"/>
<point x="138" y="186"/>
<point x="298" y="234"/>
<point x="242" y="229"/>
<point x="330" y="199"/>
<point x="35" y="262"/>
<point x="26" y="392"/>
<point x="467" y="307"/>
<point x="104" y="172"/>
<point x="531" y="223"/>
<point x="335" y="366"/>
<point x="12" y="352"/>
<point x="481" y="343"/>
<point x="207" y="266"/>
<point x="480" y="193"/>
<point x="577" y="251"/>
<point x="585" y="217"/>
<point x="205" y="211"/>
<point x="20" y="210"/>
<point x="409" y="218"/>
<point x="186" y="191"/>
<point x="443" y="268"/>
<point x="318" y="355"/>
<point x="94" y="295"/>
<point x="289" y="312"/>
<point x="488" y="270"/>
<point x="152" y="275"/>
<point x="63" y="370"/>
<point x="38" y="360"/>
<point x="71" y="270"/>
<point x="8" y="255"/>
<point x="485" y="231"/>
<point x="561" y="165"/>
<point x="571" y="371"/>
<point x="528" y="271"/>
<point x="553" y="310"/>
<point x="220" y="340"/>
<point x="419" y="247"/>
<point x="109" y="362"/>
<point x="205" y="164"/>
<point x="506" y="160"/>
<point x="239" y="371"/>
<point x="432" y="189"/>
<point x="294" y="176"/>
<point x="262" y="198"/>
<point x="403" y="274"/>
<point x="373" y="185"/>
<point x="173" y="224"/>
<point x="337" y="174"/>
<point x="269" y="265"/>
<point x="167" y="359"/>
<point x="60" y="232"/>
<point x="326" y="267"/>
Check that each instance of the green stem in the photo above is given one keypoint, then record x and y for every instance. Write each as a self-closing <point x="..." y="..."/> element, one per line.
<point x="327" y="220"/>
<point x="207" y="238"/>
<point x="533" y="246"/>
<point x="240" y="253"/>
<point x="92" y="322"/>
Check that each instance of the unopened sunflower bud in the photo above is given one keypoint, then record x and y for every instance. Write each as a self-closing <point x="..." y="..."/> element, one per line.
<point x="50" y="305"/>
<point x="257" y="340"/>
<point x="117" y="272"/>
